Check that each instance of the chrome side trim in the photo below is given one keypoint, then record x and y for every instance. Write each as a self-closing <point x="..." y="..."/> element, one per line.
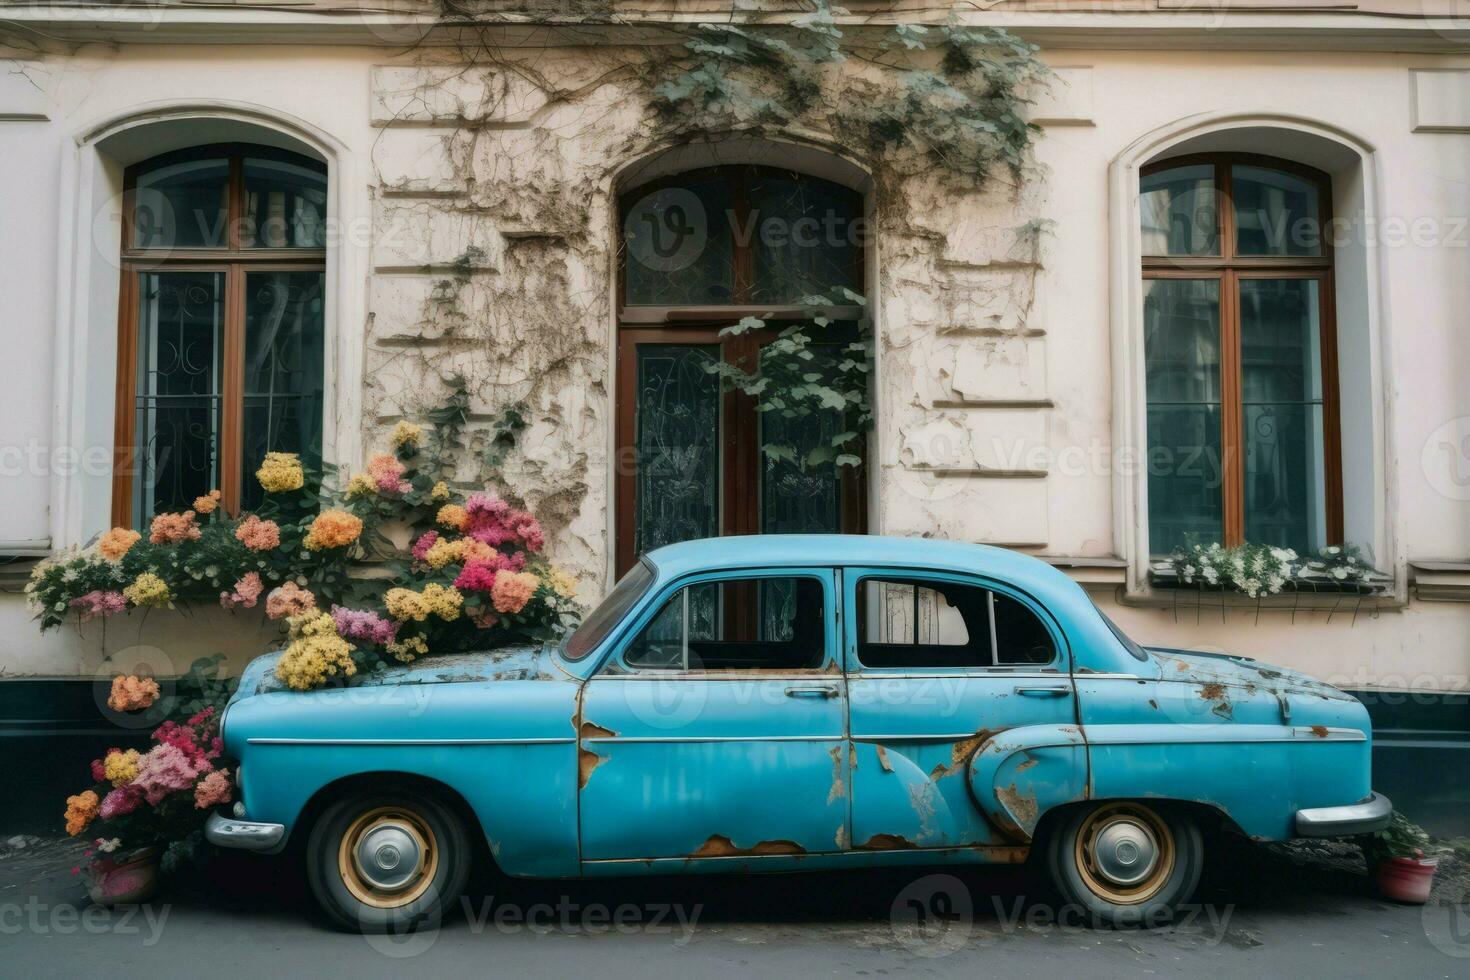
<point x="717" y="738"/>
<point x="1363" y="817"/>
<point x="1329" y="734"/>
<point x="410" y="741"/>
<point x="999" y="850"/>
<point x="242" y="835"/>
<point x="925" y="737"/>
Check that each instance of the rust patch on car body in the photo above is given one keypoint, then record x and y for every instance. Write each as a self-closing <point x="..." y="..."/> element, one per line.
<point x="1153" y="704"/>
<point x="587" y="761"/>
<point x="1019" y="804"/>
<point x="1215" y="691"/>
<point x="839" y="783"/>
<point x="719" y="845"/>
<point x="1022" y="767"/>
<point x="1320" y="731"/>
<point x="961" y="751"/>
<point x="888" y="842"/>
<point x="592" y="730"/>
<point x="883" y="762"/>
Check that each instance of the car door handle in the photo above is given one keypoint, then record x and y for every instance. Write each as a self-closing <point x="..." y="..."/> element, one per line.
<point x="1048" y="691"/>
<point x="824" y="691"/>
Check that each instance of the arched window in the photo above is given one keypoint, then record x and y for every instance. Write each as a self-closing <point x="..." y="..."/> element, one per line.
<point x="221" y="332"/>
<point x="1241" y="354"/>
<point x="700" y="251"/>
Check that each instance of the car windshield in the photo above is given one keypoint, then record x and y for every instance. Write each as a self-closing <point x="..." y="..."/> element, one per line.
<point x="1123" y="638"/>
<point x="609" y="612"/>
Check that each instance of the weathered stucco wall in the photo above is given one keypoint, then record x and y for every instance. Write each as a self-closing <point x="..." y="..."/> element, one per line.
<point x="487" y="195"/>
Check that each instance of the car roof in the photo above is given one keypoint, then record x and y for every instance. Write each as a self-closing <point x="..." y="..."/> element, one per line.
<point x="776" y="550"/>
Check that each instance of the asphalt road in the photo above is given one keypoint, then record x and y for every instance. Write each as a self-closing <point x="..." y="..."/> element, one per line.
<point x="1261" y="913"/>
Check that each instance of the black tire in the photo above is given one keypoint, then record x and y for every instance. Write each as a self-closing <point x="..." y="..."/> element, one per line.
<point x="428" y="841"/>
<point x="1113" y="900"/>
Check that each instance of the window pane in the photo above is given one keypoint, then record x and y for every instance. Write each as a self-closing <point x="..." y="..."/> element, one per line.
<point x="704" y="627"/>
<point x="1276" y="213"/>
<point x="805" y="235"/>
<point x="797" y="498"/>
<point x="923" y="624"/>
<point x="678" y="445"/>
<point x="1181" y="322"/>
<point x="180" y="348"/>
<point x="1281" y="385"/>
<point x="182" y="205"/>
<point x="284" y="371"/>
<point x="609" y="612"/>
<point x="1178" y="212"/>
<point x="1020" y="638"/>
<point x="677" y="249"/>
<point x="285" y="205"/>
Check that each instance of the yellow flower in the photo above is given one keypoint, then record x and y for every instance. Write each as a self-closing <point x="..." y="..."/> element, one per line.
<point x="280" y="473"/>
<point x="436" y="600"/>
<point x="121" y="768"/>
<point x="443" y="552"/>
<point x="361" y="485"/>
<point x="315" y="654"/>
<point x="440" y="492"/>
<point x="406" y="437"/>
<point x="81" y="810"/>
<point x="148" y="590"/>
<point x="115" y="543"/>
<point x="562" y="582"/>
<point x="333" y="529"/>
<point x="452" y="515"/>
<point x="407" y="649"/>
<point x="207" y="503"/>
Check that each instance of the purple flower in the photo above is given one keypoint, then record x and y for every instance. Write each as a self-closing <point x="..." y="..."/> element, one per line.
<point x="361" y="624"/>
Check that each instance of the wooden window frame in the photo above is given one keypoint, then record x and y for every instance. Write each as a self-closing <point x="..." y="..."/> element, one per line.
<point x="1228" y="269"/>
<point x="235" y="262"/>
<point x="700" y="324"/>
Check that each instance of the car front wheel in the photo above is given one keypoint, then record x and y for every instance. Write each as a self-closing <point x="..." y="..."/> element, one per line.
<point x="391" y="861"/>
<point x="1125" y="863"/>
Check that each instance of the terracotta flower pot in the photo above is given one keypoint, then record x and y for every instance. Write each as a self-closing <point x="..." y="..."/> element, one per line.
<point x="1406" y="879"/>
<point x="132" y="880"/>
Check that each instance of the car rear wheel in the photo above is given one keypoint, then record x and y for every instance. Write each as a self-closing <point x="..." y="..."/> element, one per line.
<point x="1125" y="863"/>
<point x="389" y="861"/>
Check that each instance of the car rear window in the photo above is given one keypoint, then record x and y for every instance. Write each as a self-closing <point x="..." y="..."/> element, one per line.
<point x="609" y="612"/>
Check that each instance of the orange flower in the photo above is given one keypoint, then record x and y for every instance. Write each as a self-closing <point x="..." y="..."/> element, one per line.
<point x="512" y="590"/>
<point x="333" y="529"/>
<point x="207" y="503"/>
<point x="132" y="693"/>
<point x="81" y="810"/>
<point x="173" y="528"/>
<point x="452" y="515"/>
<point x="115" y="543"/>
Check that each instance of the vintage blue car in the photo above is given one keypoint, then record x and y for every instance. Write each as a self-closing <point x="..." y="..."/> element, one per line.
<point x="783" y="703"/>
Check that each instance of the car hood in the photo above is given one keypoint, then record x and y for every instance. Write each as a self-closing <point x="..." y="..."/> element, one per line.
<point x="525" y="662"/>
<point x="1242" y="672"/>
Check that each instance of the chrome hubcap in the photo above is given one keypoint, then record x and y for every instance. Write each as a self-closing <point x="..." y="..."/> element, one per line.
<point x="1125" y="852"/>
<point x="388" y="856"/>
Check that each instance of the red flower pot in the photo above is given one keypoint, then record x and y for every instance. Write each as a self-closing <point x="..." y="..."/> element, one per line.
<point x="127" y="882"/>
<point x="1406" y="879"/>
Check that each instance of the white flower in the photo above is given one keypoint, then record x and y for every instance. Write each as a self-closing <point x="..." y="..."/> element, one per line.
<point x="70" y="575"/>
<point x="1333" y="550"/>
<point x="1339" y="573"/>
<point x="212" y="571"/>
<point x="108" y="846"/>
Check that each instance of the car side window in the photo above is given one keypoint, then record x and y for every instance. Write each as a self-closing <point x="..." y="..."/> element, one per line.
<point x="761" y="623"/>
<point x="916" y="623"/>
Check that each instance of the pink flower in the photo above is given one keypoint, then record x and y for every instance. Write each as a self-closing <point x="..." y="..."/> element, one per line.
<point x="212" y="790"/>
<point x="493" y="521"/>
<point x="246" y="594"/>
<point x="478" y="575"/>
<point x="386" y="472"/>
<point x="360" y="624"/>
<point x="97" y="603"/>
<point x="258" y="535"/>
<point x="165" y="769"/>
<point x="120" y="802"/>
<point x="482" y="618"/>
<point x="423" y="544"/>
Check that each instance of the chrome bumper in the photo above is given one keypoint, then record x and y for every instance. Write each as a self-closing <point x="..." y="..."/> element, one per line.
<point x="1345" y="821"/>
<point x="244" y="835"/>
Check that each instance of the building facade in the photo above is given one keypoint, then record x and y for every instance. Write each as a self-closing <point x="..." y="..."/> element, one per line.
<point x="1221" y="302"/>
